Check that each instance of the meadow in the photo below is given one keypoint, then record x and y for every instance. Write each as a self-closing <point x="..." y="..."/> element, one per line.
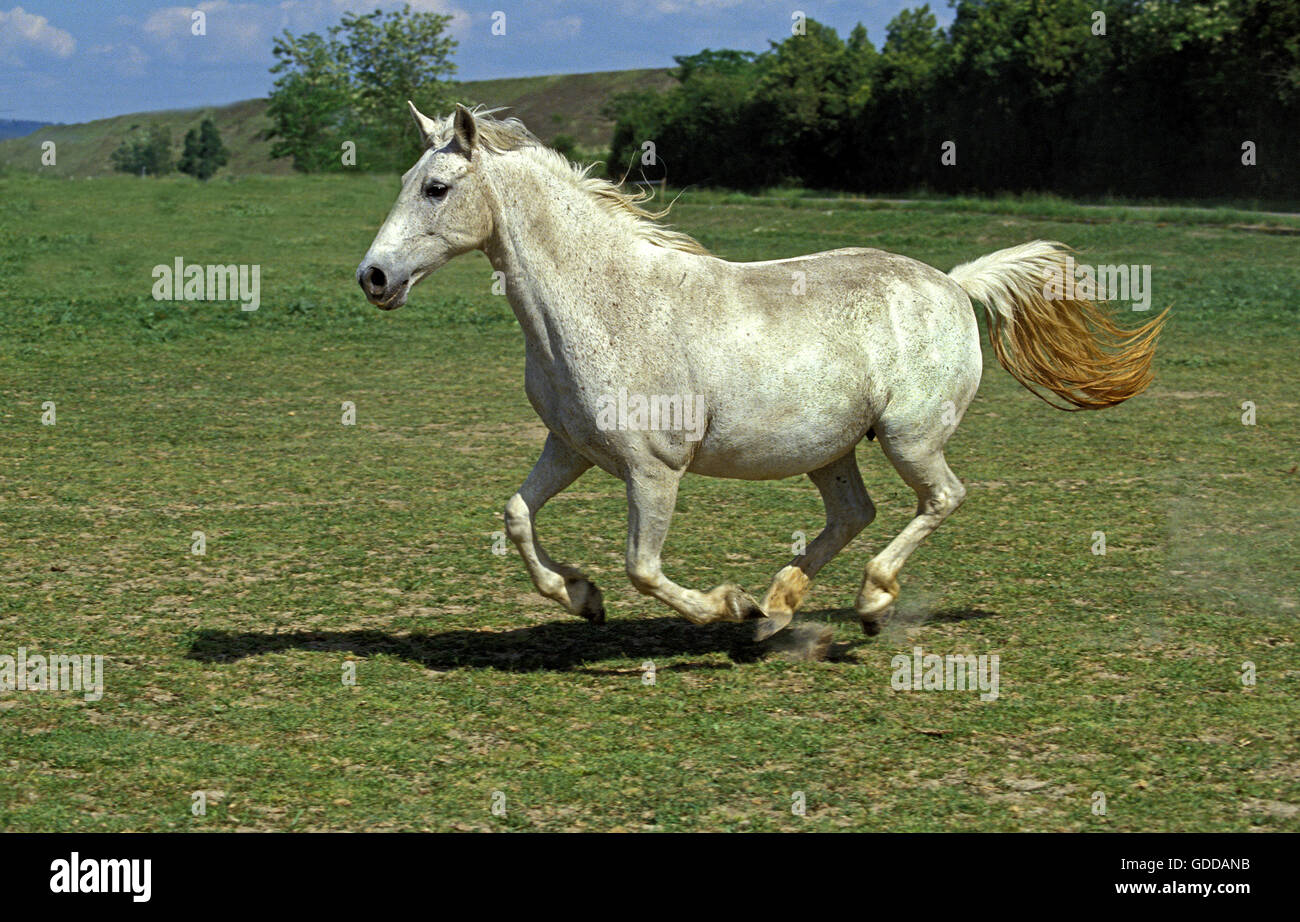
<point x="1163" y="674"/>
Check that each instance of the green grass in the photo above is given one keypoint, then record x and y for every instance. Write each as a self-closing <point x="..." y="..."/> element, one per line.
<point x="1026" y="206"/>
<point x="373" y="543"/>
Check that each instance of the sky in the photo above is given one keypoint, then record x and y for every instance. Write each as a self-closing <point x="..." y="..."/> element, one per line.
<point x="77" y="60"/>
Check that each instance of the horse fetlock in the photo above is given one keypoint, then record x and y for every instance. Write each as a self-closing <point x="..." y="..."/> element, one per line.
<point x="873" y="599"/>
<point x="731" y="603"/>
<point x="644" y="577"/>
<point x="787" y="591"/>
<point x="783" y="599"/>
<point x="879" y="592"/>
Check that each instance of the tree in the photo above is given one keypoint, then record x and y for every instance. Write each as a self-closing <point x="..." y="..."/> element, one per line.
<point x="189" y="162"/>
<point x="898" y="132"/>
<point x="812" y="86"/>
<point x="393" y="58"/>
<point x="702" y="130"/>
<point x="743" y="120"/>
<point x="203" y="152"/>
<point x="353" y="84"/>
<point x="1151" y="98"/>
<point x="565" y="144"/>
<point x="145" y="153"/>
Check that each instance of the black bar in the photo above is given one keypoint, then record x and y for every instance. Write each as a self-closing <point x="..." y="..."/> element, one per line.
<point x="651" y="871"/>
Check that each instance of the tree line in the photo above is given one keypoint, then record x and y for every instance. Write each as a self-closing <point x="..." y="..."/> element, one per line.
<point x="1159" y="98"/>
<point x="1146" y="98"/>
<point x="149" y="153"/>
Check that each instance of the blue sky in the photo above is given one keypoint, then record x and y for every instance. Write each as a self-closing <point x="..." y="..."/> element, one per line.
<point x="75" y="60"/>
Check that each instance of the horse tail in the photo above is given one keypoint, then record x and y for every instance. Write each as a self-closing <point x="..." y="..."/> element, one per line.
<point x="1066" y="345"/>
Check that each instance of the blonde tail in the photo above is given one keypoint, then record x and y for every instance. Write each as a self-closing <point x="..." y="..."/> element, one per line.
<point x="1070" y="347"/>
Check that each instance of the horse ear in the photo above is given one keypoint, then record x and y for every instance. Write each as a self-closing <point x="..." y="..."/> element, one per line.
<point x="427" y="126"/>
<point x="466" y="129"/>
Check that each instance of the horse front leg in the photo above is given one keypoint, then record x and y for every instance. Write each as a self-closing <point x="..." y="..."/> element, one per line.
<point x="558" y="466"/>
<point x="651" y="498"/>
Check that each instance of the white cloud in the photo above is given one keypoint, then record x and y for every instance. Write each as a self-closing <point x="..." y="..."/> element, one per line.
<point x="241" y="30"/>
<point x="125" y="60"/>
<point x="129" y="61"/>
<point x="22" y="32"/>
<point x="230" y="30"/>
<point x="681" y="6"/>
<point x="564" y="27"/>
<point x="693" y="9"/>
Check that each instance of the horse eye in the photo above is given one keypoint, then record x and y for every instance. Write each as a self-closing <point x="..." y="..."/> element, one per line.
<point x="435" y="190"/>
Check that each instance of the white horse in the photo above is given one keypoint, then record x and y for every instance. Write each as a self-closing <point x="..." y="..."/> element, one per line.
<point x="789" y="363"/>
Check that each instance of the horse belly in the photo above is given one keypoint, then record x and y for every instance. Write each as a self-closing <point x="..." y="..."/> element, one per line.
<point x="769" y="447"/>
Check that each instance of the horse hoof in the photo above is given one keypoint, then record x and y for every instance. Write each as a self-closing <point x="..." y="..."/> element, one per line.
<point x="592" y="605"/>
<point x="774" y="622"/>
<point x="872" y="624"/>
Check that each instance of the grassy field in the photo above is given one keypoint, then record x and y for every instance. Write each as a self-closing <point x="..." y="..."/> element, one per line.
<point x="373" y="544"/>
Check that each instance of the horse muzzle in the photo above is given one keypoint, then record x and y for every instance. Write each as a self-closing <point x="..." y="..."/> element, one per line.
<point x="382" y="289"/>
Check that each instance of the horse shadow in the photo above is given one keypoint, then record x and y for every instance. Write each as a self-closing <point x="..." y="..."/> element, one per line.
<point x="903" y="618"/>
<point x="558" y="646"/>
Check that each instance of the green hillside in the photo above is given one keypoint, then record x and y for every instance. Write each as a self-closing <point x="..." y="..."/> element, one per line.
<point x="83" y="150"/>
<point x="565" y="103"/>
<point x="550" y="105"/>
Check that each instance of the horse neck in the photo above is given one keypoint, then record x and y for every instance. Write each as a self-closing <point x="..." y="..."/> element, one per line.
<point x="550" y="238"/>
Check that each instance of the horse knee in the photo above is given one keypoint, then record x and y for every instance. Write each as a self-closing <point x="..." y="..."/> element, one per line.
<point x="518" y="519"/>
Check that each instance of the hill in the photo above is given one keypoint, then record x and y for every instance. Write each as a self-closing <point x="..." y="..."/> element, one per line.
<point x="16" y="128"/>
<point x="84" y="149"/>
<point x="566" y="103"/>
<point x="550" y="105"/>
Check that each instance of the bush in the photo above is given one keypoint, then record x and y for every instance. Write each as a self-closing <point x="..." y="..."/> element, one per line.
<point x="145" y="154"/>
<point x="203" y="153"/>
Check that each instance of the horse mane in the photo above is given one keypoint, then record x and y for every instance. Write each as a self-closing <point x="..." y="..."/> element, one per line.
<point x="500" y="136"/>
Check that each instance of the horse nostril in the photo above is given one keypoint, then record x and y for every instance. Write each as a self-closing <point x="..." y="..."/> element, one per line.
<point x="374" y="280"/>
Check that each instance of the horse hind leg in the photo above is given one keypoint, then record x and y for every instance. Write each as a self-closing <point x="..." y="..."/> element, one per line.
<point x="848" y="510"/>
<point x="921" y="464"/>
